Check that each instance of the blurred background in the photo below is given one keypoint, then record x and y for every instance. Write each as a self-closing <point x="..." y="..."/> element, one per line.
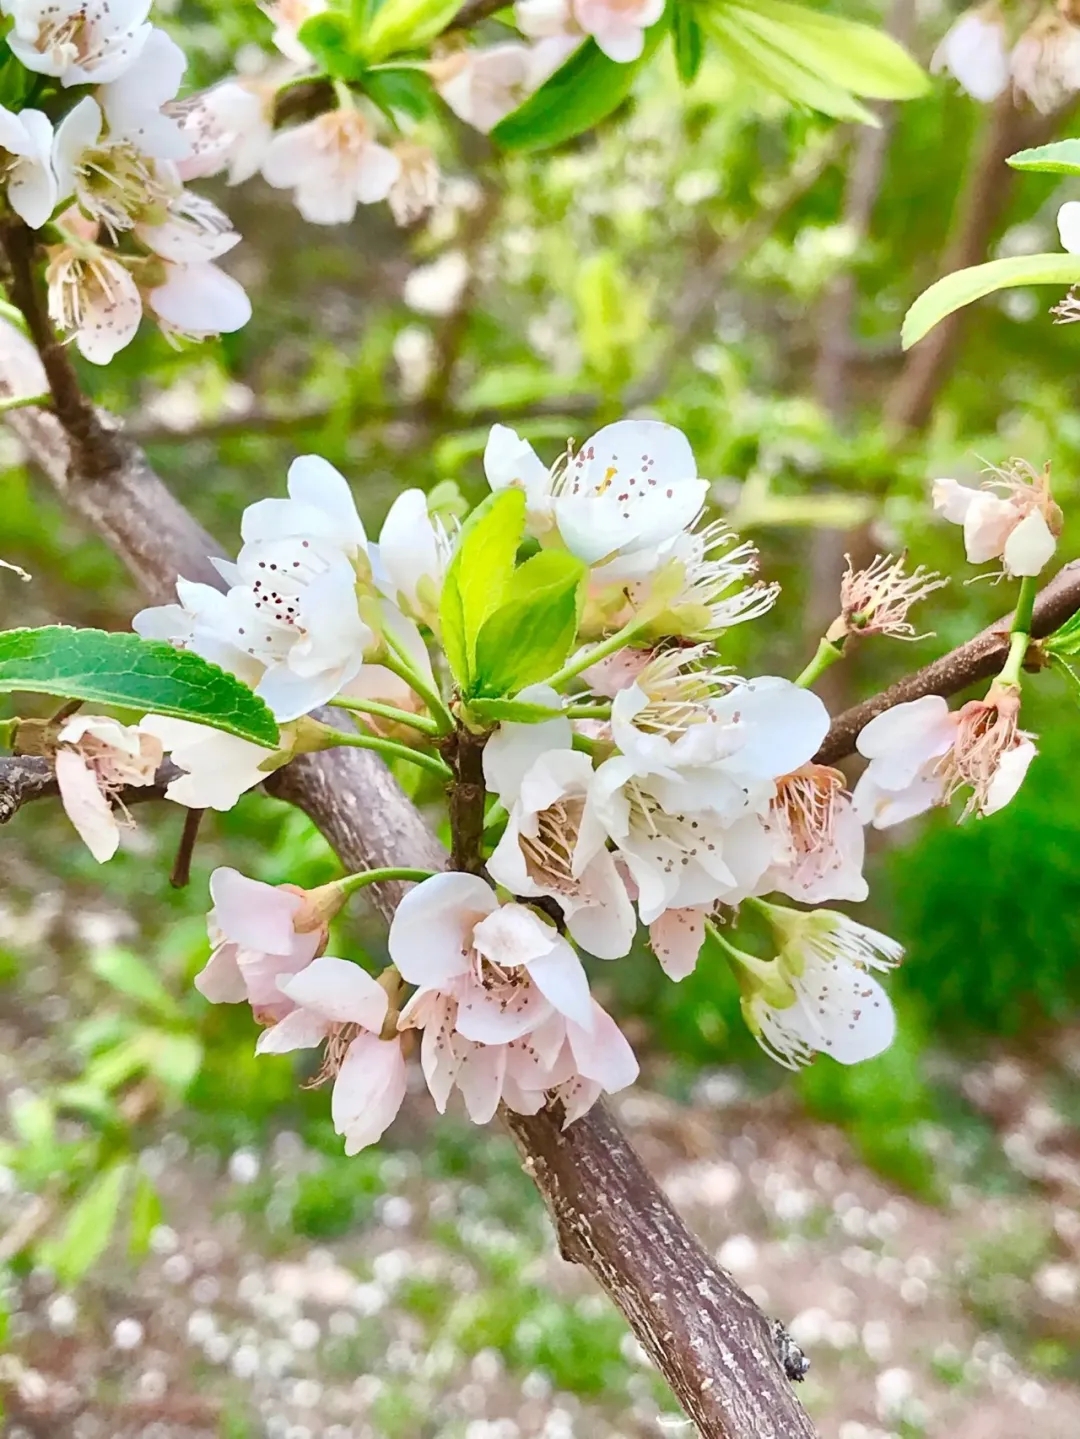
<point x="184" y="1249"/>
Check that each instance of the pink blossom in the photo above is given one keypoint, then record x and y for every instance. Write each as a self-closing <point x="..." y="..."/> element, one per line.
<point x="338" y="1004"/>
<point x="95" y="758"/>
<point x="1012" y="517"/>
<point x="503" y="1001"/>
<point x="818" y="843"/>
<point x="257" y="936"/>
<point x="482" y="87"/>
<point x="332" y="164"/>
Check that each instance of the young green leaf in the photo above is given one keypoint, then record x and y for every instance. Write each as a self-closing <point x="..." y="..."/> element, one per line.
<point x="1060" y="158"/>
<point x="855" y="57"/>
<point x="406" y="92"/>
<point x="89" y="1226"/>
<point x="130" y="975"/>
<point x="478" y="575"/>
<point x="406" y="25"/>
<point x="132" y="673"/>
<point x="955" y="291"/>
<point x="530" y="635"/>
<point x="577" y="97"/>
<point x="1066" y="640"/>
<point x="328" y="38"/>
<point x="146" y="1215"/>
<point x="689" y="42"/>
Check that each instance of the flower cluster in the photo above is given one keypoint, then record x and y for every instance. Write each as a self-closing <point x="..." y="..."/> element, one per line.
<point x="105" y="185"/>
<point x="639" y="788"/>
<point x="985" y="55"/>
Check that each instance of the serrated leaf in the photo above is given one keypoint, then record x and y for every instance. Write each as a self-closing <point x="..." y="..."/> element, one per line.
<point x="478" y="575"/>
<point x="132" y="673"/>
<point x="955" y="291"/>
<point x="577" y="97"/>
<point x="689" y="42"/>
<point x="89" y="1226"/>
<point x="1060" y="158"/>
<point x="406" y="25"/>
<point x="146" y="1215"/>
<point x="130" y="975"/>
<point x="531" y="633"/>
<point x="846" y="53"/>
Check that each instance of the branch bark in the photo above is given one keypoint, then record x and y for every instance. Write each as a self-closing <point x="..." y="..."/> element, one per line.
<point x="979" y="659"/>
<point x="706" y="1336"/>
<point x="24" y="779"/>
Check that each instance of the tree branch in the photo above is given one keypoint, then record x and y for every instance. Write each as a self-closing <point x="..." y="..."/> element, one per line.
<point x="708" y="1340"/>
<point x="24" y="778"/>
<point x="979" y="659"/>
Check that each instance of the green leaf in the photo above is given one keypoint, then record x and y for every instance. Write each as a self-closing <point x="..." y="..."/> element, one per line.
<point x="146" y="1214"/>
<point x="478" y="575"/>
<point x="130" y="975"/>
<point x="761" y="62"/>
<point x="577" y="97"/>
<point x="855" y="57"/>
<point x="328" y="38"/>
<point x="1060" y="158"/>
<point x="530" y="635"/>
<point x="406" y="25"/>
<point x="124" y="670"/>
<point x="689" y="43"/>
<point x="405" y="92"/>
<point x="955" y="291"/>
<point x="89" y="1226"/>
<point x="33" y="1120"/>
<point x="1066" y="640"/>
<point x="175" y="1059"/>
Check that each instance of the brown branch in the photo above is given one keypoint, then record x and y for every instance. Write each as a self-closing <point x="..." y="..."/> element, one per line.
<point x="24" y="779"/>
<point x="982" y="204"/>
<point x="708" y="1340"/>
<point x="979" y="659"/>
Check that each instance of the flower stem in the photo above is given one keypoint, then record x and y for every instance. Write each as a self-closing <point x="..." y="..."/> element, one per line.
<point x="1020" y="633"/>
<point x="344" y="96"/>
<point x="23" y="402"/>
<point x="598" y="712"/>
<point x="397" y="660"/>
<point x="584" y="658"/>
<point x="352" y="882"/>
<point x="390" y="749"/>
<point x="827" y="654"/>
<point x="388" y="712"/>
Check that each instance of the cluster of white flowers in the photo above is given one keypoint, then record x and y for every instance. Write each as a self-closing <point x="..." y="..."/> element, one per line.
<point x="984" y="55"/>
<point x="667" y="795"/>
<point x="106" y="184"/>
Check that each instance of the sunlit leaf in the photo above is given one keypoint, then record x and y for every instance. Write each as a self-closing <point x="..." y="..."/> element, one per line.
<point x="955" y="291"/>
<point x="405" y="25"/>
<point x="478" y="574"/>
<point x="89" y="1226"/>
<point x="531" y="633"/>
<point x="1060" y="158"/>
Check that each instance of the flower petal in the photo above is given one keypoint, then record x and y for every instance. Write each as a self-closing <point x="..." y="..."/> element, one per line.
<point x="339" y="992"/>
<point x="431" y="932"/>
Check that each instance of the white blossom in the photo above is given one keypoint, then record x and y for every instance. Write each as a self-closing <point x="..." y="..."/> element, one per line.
<point x="26" y="143"/>
<point x="79" y="42"/>
<point x="331" y="164"/>
<point x="975" y="52"/>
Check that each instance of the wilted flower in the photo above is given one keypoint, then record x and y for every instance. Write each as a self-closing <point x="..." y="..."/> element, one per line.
<point x="1020" y="525"/>
<point x="1046" y="61"/>
<point x="921" y="753"/>
<point x="876" y="600"/>
<point x="416" y="188"/>
<point x="95" y="758"/>
<point x="218" y="767"/>
<point x="818" y="839"/>
<point x="975" y="52"/>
